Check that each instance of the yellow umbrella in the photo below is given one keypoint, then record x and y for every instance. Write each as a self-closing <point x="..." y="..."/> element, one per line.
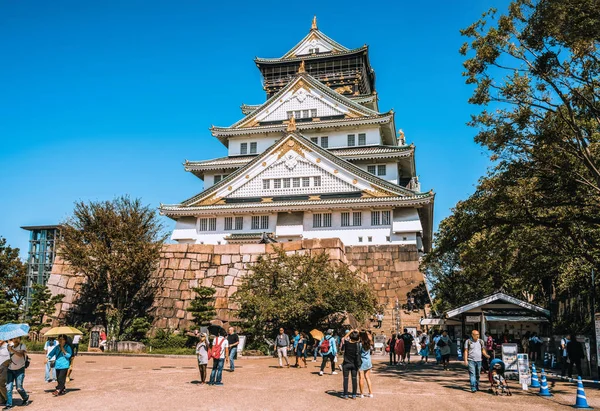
<point x="317" y="335"/>
<point x="56" y="331"/>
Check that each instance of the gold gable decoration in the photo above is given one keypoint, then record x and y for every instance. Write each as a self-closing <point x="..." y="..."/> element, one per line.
<point x="377" y="192"/>
<point x="211" y="200"/>
<point x="302" y="68"/>
<point x="314" y="24"/>
<point x="291" y="124"/>
<point x="292" y="145"/>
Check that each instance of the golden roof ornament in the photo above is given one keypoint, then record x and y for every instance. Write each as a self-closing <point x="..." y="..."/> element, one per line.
<point x="292" y="124"/>
<point x="314" y="24"/>
<point x="301" y="69"/>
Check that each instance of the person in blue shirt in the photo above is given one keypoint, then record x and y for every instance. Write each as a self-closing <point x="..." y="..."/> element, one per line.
<point x="62" y="352"/>
<point x="328" y="350"/>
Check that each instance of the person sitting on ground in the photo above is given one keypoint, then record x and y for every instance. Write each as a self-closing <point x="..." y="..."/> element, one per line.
<point x="352" y="361"/>
<point x="328" y="350"/>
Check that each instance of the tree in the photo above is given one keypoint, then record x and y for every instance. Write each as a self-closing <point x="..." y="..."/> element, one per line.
<point x="300" y="291"/>
<point x="42" y="307"/>
<point x="116" y="246"/>
<point x="203" y="306"/>
<point x="13" y="274"/>
<point x="539" y="66"/>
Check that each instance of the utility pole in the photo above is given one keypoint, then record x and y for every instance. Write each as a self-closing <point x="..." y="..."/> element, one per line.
<point x="597" y="332"/>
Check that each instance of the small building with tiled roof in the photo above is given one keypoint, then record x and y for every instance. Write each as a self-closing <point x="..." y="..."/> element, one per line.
<point x="317" y="159"/>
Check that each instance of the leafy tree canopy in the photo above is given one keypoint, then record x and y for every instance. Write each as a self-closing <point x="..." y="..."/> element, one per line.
<point x="300" y="291"/>
<point x="116" y="246"/>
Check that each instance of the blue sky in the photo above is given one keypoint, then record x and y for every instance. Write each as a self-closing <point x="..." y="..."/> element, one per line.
<point x="101" y="99"/>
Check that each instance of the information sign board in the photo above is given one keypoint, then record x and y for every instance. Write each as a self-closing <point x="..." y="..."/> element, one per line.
<point x="523" y="366"/>
<point x="509" y="356"/>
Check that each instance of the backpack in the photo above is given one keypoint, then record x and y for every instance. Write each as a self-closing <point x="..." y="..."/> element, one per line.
<point x="27" y="361"/>
<point x="480" y="341"/>
<point x="325" y="346"/>
<point x="215" y="351"/>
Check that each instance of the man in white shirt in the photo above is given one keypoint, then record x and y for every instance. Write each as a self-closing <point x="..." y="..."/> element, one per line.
<point x="75" y="344"/>
<point x="16" y="371"/>
<point x="220" y="345"/>
<point x="50" y="370"/>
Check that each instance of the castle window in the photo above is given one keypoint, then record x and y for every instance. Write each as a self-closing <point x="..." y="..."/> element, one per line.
<point x="381" y="170"/>
<point x="253" y="147"/>
<point x="324" y="142"/>
<point x="266" y="184"/>
<point x="370" y="239"/>
<point x="228" y="223"/>
<point x="351" y="140"/>
<point x="327" y="220"/>
<point x="305" y="181"/>
<point x="317" y="220"/>
<point x="296" y="181"/>
<point x="208" y="224"/>
<point x="362" y="139"/>
<point x="244" y="148"/>
<point x="305" y="113"/>
<point x="315" y="140"/>
<point x="385" y="218"/>
<point x="313" y="112"/>
<point x="286" y="183"/>
<point x="277" y="183"/>
<point x="345" y="219"/>
<point x="317" y="181"/>
<point x="372" y="169"/>
<point x="360" y="239"/>
<point x="380" y="217"/>
<point x="260" y="222"/>
<point x="218" y="178"/>
<point x="239" y="223"/>
<point x="387" y="238"/>
<point x="357" y="218"/>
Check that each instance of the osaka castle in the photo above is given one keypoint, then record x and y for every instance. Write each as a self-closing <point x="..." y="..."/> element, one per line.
<point x="317" y="159"/>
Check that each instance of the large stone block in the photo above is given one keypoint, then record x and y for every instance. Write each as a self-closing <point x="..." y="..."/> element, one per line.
<point x="184" y="264"/>
<point x="201" y="248"/>
<point x="227" y="249"/>
<point x="174" y="248"/>
<point x="226" y="259"/>
<point x="252" y="249"/>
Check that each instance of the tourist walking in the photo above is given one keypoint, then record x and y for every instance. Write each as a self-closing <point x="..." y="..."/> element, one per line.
<point x="4" y="362"/>
<point x="564" y="356"/>
<point x="391" y="348"/>
<point x="474" y="350"/>
<point x="408" y="339"/>
<point x="62" y="353"/>
<point x="575" y="353"/>
<point x="301" y="349"/>
<point x="233" y="341"/>
<point x="202" y="354"/>
<point x="424" y="347"/>
<point x="352" y="362"/>
<point x="364" y="374"/>
<point x="444" y="345"/>
<point x="315" y="349"/>
<point x="379" y="319"/>
<point x="489" y="348"/>
<point x="328" y="350"/>
<point x="16" y="372"/>
<point x="75" y="344"/>
<point x="399" y="348"/>
<point x="436" y="349"/>
<point x="50" y="374"/>
<point x="282" y="342"/>
<point x="535" y="347"/>
<point x="219" y="353"/>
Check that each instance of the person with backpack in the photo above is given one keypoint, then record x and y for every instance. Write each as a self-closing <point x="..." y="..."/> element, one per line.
<point x="328" y="350"/>
<point x="444" y="345"/>
<point x="408" y="341"/>
<point x="424" y="347"/>
<point x="474" y="350"/>
<point x="219" y="352"/>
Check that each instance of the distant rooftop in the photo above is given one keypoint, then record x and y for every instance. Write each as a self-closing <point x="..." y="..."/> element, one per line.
<point x="40" y="227"/>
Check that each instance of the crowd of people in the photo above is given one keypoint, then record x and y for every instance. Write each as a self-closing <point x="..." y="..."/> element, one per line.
<point x="14" y="361"/>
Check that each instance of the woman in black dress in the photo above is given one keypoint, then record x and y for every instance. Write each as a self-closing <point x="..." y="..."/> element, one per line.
<point x="352" y="361"/>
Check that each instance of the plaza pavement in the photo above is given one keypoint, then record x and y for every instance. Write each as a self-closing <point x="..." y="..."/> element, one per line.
<point x="104" y="383"/>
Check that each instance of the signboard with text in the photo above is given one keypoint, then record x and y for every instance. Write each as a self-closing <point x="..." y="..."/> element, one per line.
<point x="509" y="356"/>
<point x="473" y="319"/>
<point x="523" y="367"/>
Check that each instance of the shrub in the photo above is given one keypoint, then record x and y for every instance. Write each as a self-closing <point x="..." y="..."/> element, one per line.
<point x="167" y="339"/>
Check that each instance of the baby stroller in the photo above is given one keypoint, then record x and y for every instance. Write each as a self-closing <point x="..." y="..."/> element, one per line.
<point x="496" y="376"/>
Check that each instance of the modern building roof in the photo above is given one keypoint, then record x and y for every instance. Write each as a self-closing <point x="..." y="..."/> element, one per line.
<point x="41" y="227"/>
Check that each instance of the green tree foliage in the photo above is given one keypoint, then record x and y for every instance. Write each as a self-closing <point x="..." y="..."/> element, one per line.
<point x="203" y="306"/>
<point x="138" y="330"/>
<point x="300" y="291"/>
<point x="13" y="278"/>
<point x="42" y="307"/>
<point x="116" y="246"/>
<point x="532" y="227"/>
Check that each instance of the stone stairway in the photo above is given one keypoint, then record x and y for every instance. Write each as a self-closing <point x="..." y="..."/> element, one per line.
<point x="406" y="320"/>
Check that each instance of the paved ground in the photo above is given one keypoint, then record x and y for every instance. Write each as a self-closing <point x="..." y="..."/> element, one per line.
<point x="133" y="383"/>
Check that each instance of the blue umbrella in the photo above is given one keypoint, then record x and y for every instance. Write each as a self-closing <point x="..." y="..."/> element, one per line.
<point x="10" y="331"/>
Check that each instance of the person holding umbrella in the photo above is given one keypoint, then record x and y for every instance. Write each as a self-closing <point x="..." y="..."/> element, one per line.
<point x="63" y="353"/>
<point x="10" y="332"/>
